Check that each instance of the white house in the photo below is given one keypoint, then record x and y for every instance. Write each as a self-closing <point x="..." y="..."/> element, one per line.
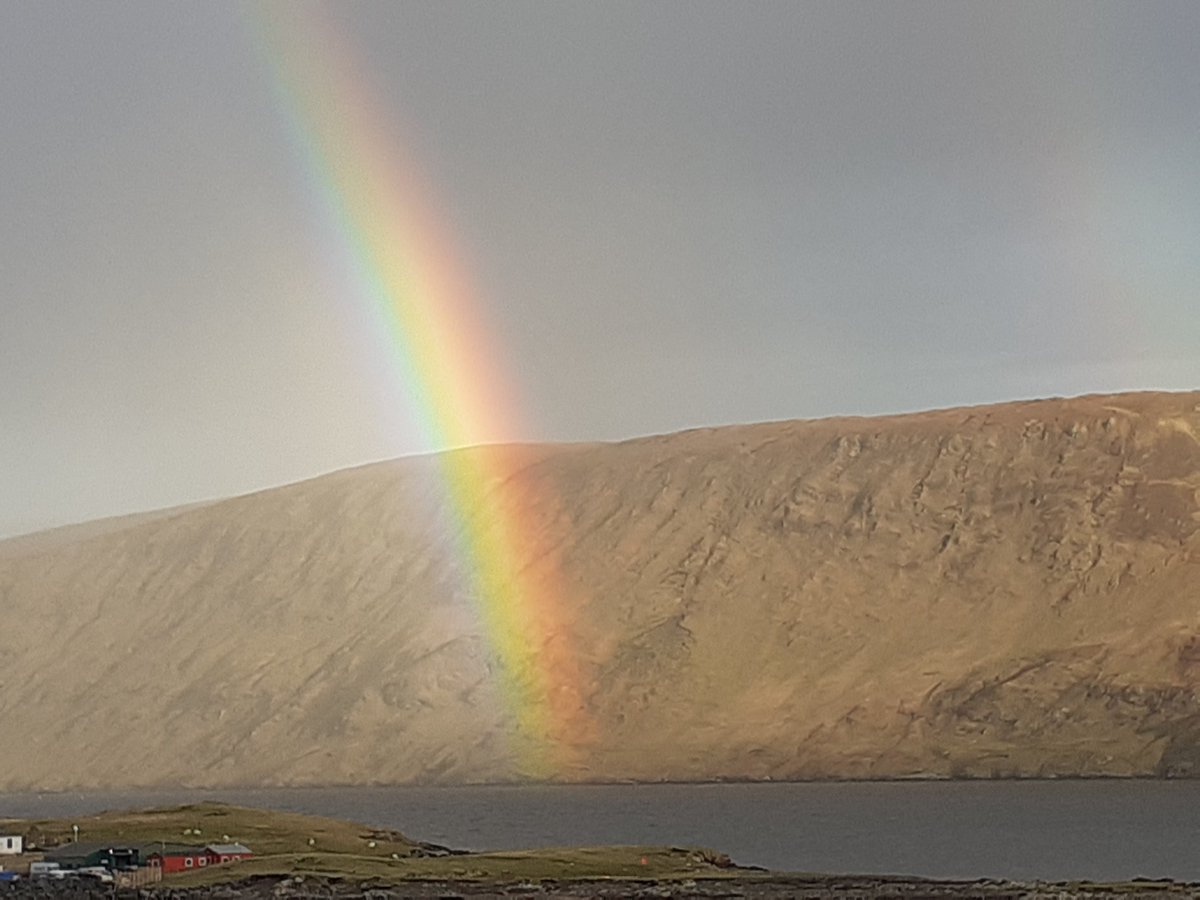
<point x="10" y="844"/>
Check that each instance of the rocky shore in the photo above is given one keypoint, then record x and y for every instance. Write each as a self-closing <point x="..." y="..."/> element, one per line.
<point x="801" y="887"/>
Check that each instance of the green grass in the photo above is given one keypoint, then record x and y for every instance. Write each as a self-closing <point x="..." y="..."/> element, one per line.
<point x="528" y="865"/>
<point x="264" y="831"/>
<point x="296" y="844"/>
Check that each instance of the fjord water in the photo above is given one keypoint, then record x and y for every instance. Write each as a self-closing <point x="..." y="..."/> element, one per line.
<point x="1100" y="830"/>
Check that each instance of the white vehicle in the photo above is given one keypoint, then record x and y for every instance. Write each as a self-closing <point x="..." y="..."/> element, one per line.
<point x="46" y="870"/>
<point x="98" y="872"/>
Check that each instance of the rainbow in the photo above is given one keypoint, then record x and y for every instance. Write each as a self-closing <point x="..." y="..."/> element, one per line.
<point x="404" y="265"/>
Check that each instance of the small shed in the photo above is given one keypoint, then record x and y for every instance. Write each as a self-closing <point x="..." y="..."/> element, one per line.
<point x="223" y="853"/>
<point x="175" y="857"/>
<point x="11" y="844"/>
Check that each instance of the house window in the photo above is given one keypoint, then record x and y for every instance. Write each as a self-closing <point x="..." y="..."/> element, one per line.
<point x="187" y="862"/>
<point x="204" y="860"/>
<point x="224" y="859"/>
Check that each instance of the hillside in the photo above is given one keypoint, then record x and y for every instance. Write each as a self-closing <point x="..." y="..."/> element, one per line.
<point x="1010" y="590"/>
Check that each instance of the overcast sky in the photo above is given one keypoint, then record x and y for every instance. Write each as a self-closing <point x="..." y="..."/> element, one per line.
<point x="674" y="214"/>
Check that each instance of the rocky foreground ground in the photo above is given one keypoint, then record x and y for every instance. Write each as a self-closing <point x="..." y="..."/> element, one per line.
<point x="772" y="886"/>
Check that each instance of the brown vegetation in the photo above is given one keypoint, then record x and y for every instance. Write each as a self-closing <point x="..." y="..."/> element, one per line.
<point x="295" y="844"/>
<point x="998" y="591"/>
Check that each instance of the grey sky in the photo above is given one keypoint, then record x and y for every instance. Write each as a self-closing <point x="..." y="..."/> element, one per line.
<point x="676" y="213"/>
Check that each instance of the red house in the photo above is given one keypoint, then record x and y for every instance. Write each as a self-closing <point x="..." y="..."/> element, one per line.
<point x="223" y="853"/>
<point x="176" y="857"/>
<point x="171" y="858"/>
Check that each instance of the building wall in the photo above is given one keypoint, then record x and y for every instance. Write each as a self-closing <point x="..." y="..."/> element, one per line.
<point x="138" y="877"/>
<point x="187" y="862"/>
<point x="10" y="844"/>
<point x="227" y="857"/>
<point x="183" y="863"/>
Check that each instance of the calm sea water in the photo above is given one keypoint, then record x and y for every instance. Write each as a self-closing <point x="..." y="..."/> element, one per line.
<point x="1104" y="830"/>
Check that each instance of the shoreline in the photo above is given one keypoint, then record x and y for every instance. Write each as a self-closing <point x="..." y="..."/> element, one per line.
<point x="1031" y="833"/>
<point x="666" y="782"/>
<point x="296" y="855"/>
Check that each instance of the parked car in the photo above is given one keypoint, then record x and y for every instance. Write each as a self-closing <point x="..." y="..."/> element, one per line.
<point x="98" y="872"/>
<point x="46" y="870"/>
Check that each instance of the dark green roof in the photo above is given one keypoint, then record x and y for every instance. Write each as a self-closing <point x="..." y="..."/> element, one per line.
<point x="84" y="849"/>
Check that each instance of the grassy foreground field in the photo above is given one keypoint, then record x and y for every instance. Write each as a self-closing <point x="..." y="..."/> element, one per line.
<point x="296" y="844"/>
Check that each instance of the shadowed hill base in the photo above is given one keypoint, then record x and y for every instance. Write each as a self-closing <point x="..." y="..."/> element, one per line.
<point x="1010" y="590"/>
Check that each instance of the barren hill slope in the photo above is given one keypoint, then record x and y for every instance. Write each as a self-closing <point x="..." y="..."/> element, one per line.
<point x="1005" y="590"/>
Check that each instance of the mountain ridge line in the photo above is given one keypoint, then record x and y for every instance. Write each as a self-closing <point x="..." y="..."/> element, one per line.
<point x="1009" y="590"/>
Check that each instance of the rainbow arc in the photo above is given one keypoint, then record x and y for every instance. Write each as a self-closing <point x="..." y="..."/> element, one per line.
<point x="405" y="268"/>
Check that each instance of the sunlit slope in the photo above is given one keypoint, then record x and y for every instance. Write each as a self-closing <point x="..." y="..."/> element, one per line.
<point x="1005" y="590"/>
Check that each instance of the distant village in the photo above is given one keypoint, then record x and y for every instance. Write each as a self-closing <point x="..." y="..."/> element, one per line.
<point x="123" y="865"/>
